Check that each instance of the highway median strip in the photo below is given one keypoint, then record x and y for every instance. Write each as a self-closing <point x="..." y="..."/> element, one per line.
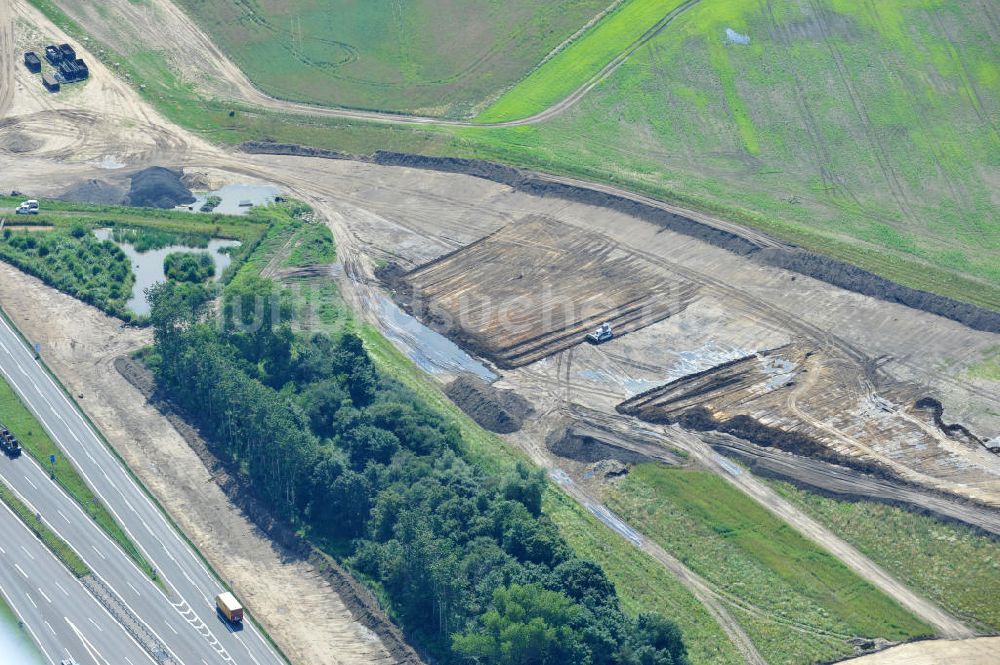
<point x="59" y="547"/>
<point x="37" y="443"/>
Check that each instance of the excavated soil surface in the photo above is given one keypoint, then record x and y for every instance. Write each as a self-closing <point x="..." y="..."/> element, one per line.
<point x="501" y="411"/>
<point x="536" y="287"/>
<point x="741" y="242"/>
<point x="95" y="191"/>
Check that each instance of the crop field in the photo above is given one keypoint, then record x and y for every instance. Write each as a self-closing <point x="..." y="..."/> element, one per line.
<point x="426" y="57"/>
<point x="949" y="563"/>
<point x="863" y="131"/>
<point x="868" y="131"/>
<point x="781" y="580"/>
<point x="572" y="67"/>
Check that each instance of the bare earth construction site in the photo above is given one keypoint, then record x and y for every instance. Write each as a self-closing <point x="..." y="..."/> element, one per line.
<point x="713" y="352"/>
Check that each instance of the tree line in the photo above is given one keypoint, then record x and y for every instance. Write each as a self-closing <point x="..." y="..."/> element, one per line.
<point x="465" y="561"/>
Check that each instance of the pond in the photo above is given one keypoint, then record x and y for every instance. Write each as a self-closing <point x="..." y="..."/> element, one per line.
<point x="236" y="199"/>
<point x="148" y="266"/>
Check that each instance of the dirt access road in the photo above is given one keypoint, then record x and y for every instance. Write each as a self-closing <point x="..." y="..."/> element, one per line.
<point x="171" y="31"/>
<point x="7" y="56"/>
<point x="375" y="210"/>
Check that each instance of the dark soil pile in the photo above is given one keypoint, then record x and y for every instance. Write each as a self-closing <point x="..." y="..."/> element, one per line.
<point x="95" y="191"/>
<point x="501" y="411"/>
<point x="158" y="187"/>
<point x="750" y="429"/>
<point x="582" y="446"/>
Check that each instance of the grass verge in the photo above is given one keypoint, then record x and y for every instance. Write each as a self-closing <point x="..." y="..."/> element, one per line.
<point x="642" y="584"/>
<point x="747" y="553"/>
<point x="36" y="442"/>
<point x="59" y="547"/>
<point x="951" y="564"/>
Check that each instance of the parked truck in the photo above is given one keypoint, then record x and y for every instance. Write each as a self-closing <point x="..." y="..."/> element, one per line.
<point x="230" y="608"/>
<point x="8" y="443"/>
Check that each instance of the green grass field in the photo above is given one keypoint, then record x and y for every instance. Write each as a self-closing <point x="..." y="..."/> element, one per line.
<point x="949" y="563"/>
<point x="572" y="67"/>
<point x="428" y="57"/>
<point x="791" y="585"/>
<point x="37" y="443"/>
<point x="864" y="131"/>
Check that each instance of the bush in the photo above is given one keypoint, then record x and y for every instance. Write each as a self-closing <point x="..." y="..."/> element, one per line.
<point x="195" y="267"/>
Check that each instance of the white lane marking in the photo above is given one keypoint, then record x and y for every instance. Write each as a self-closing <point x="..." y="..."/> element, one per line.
<point x="94" y="440"/>
<point x="62" y="515"/>
<point x="31" y="483"/>
<point x="94" y="653"/>
<point x="99" y="553"/>
<point x="62" y="589"/>
<point x="133" y="588"/>
<point x="28" y="596"/>
<point x="47" y="599"/>
<point x="3" y="551"/>
<point x="51" y="629"/>
<point x="30" y="555"/>
<point x="21" y="570"/>
<point x="171" y="627"/>
<point x="91" y="620"/>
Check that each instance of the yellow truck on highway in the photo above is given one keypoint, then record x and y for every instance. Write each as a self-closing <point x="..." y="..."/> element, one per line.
<point x="230" y="608"/>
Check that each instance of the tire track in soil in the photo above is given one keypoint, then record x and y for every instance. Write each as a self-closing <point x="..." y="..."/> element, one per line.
<point x="7" y="60"/>
<point x="878" y="148"/>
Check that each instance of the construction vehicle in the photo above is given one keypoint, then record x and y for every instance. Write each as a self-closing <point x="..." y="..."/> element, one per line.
<point x="229" y="607"/>
<point x="601" y="335"/>
<point x="9" y="443"/>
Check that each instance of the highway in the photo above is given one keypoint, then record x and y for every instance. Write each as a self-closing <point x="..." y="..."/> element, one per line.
<point x="62" y="617"/>
<point x="182" y="617"/>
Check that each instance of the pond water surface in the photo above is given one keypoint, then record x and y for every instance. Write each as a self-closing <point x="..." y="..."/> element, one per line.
<point x="148" y="266"/>
<point x="233" y="195"/>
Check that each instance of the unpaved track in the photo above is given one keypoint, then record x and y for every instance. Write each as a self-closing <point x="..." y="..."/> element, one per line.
<point x="943" y="623"/>
<point x="179" y="33"/>
<point x="7" y="58"/>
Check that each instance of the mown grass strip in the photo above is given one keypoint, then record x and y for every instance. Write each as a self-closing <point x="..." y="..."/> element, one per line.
<point x="580" y="61"/>
<point x="642" y="583"/>
<point x="36" y="442"/>
<point x="741" y="548"/>
<point x="59" y="547"/>
<point x="951" y="564"/>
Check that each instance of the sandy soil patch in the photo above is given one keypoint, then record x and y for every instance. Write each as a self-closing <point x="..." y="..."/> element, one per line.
<point x="979" y="651"/>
